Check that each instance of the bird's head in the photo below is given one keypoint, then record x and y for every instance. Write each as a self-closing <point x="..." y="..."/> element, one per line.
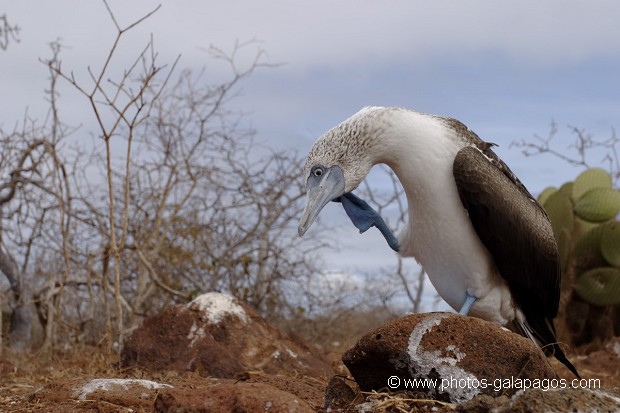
<point x="337" y="163"/>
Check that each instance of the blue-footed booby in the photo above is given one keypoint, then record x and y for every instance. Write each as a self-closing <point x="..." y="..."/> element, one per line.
<point x="485" y="242"/>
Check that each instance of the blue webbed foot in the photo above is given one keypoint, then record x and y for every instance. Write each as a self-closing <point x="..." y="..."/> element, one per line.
<point x="363" y="217"/>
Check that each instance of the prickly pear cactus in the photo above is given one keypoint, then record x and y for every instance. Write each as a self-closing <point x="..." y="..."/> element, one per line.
<point x="584" y="217"/>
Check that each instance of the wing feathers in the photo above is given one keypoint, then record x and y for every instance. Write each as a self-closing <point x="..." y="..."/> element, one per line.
<point x="514" y="228"/>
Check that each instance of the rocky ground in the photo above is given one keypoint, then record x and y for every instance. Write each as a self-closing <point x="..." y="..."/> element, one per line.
<point x="216" y="355"/>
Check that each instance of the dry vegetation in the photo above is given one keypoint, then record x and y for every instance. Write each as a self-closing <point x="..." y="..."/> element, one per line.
<point x="162" y="194"/>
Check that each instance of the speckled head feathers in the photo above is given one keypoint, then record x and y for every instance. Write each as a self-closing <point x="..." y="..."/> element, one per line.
<point x="348" y="145"/>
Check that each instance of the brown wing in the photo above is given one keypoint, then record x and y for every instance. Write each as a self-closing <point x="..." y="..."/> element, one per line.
<point x="514" y="228"/>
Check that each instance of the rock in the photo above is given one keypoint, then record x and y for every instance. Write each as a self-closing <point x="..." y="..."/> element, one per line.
<point x="217" y="336"/>
<point x="274" y="394"/>
<point x="115" y="386"/>
<point x="338" y="395"/>
<point x="562" y="400"/>
<point x="308" y="389"/>
<point x="95" y="391"/>
<point x="483" y="403"/>
<point x="227" y="397"/>
<point x="448" y="356"/>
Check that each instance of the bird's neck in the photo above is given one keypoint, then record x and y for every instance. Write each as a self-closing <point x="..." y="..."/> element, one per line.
<point x="419" y="149"/>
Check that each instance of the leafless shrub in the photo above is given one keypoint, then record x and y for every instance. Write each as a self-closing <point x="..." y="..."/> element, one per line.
<point x="8" y="32"/>
<point x="35" y="197"/>
<point x="173" y="197"/>
<point x="585" y="150"/>
<point x="119" y="104"/>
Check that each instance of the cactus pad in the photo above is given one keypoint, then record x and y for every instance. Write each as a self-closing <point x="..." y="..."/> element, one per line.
<point x="598" y="204"/>
<point x="590" y="179"/>
<point x="560" y="210"/>
<point x="610" y="243"/>
<point x="600" y="286"/>
<point x="546" y="193"/>
<point x="587" y="253"/>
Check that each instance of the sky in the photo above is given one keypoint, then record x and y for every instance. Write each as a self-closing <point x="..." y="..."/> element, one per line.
<point x="505" y="69"/>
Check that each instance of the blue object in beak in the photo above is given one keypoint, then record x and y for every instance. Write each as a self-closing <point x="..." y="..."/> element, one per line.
<point x="363" y="217"/>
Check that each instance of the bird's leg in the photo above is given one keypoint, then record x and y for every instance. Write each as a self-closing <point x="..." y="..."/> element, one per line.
<point x="469" y="301"/>
<point x="363" y="217"/>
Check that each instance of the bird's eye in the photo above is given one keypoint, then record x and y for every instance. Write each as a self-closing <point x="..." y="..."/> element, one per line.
<point x="318" y="172"/>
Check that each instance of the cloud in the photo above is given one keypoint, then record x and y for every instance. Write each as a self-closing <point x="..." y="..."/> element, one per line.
<point x="347" y="37"/>
<point x="310" y="34"/>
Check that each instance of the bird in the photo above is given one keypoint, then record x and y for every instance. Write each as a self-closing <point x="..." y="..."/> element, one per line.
<point x="485" y="242"/>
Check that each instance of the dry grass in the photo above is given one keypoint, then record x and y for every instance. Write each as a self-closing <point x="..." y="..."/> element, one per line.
<point x="28" y="370"/>
<point x="404" y="402"/>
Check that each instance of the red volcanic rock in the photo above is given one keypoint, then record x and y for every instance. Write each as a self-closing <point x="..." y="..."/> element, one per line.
<point x="218" y="336"/>
<point x="460" y="356"/>
<point x="230" y="397"/>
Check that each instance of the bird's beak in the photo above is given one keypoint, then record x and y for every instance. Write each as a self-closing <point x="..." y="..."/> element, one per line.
<point x="321" y="190"/>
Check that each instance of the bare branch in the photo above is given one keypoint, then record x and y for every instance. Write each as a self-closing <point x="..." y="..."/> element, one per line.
<point x="579" y="152"/>
<point x="8" y="32"/>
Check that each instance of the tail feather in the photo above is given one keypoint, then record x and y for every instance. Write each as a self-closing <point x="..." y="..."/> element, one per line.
<point x="542" y="332"/>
